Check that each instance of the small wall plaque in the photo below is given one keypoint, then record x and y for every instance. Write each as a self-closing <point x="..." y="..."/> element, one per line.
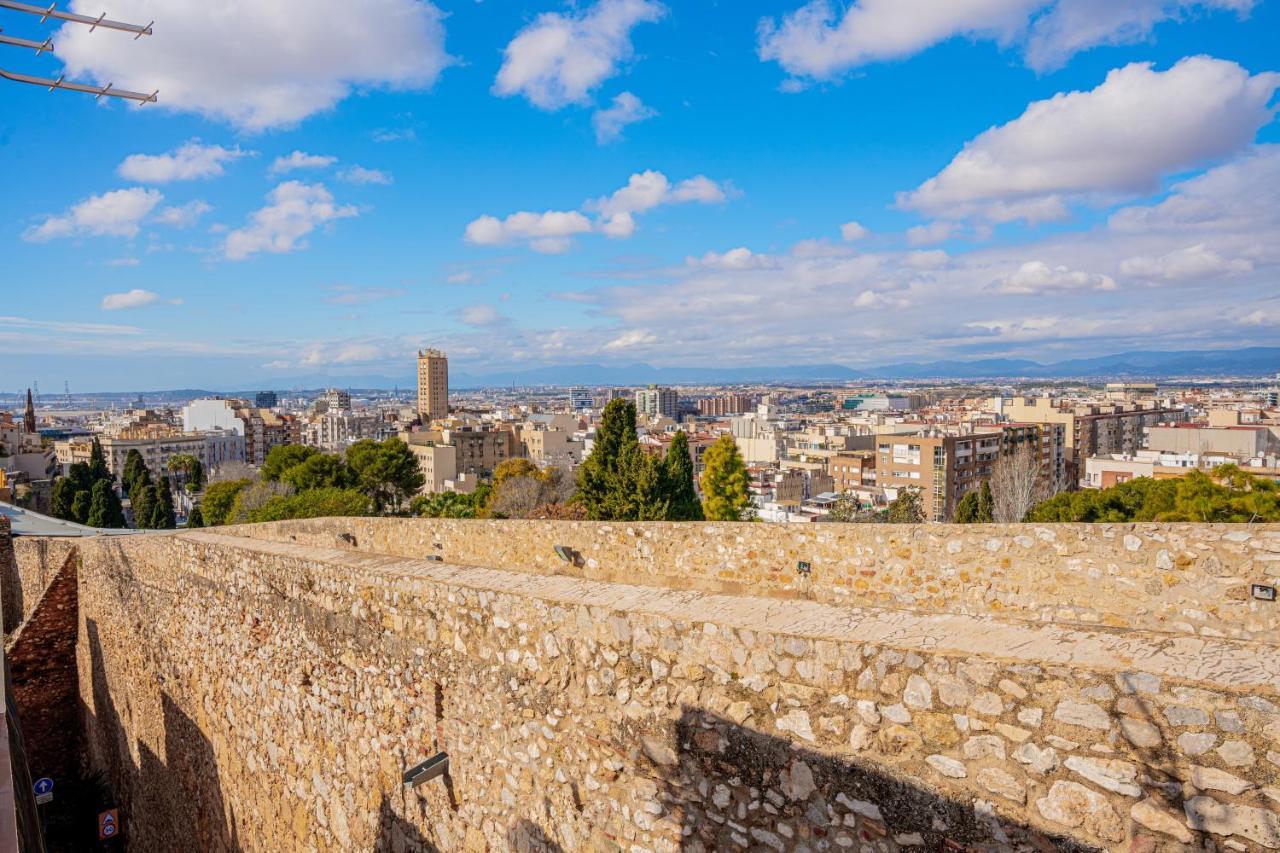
<point x="1263" y="593"/>
<point x="803" y="567"/>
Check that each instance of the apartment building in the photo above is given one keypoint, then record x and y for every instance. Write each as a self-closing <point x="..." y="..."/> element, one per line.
<point x="852" y="470"/>
<point x="942" y="467"/>
<point x="656" y="401"/>
<point x="264" y="429"/>
<point x="433" y="385"/>
<point x="724" y="405"/>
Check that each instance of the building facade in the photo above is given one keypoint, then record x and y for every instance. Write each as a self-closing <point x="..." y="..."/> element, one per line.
<point x="657" y="402"/>
<point x="433" y="385"/>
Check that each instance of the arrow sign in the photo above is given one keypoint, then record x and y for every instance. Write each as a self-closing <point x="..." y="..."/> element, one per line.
<point x="44" y="790"/>
<point x="108" y="824"/>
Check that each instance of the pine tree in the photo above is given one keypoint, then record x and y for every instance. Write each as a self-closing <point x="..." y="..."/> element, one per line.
<point x="906" y="508"/>
<point x="967" y="508"/>
<point x="143" y="502"/>
<point x="646" y="492"/>
<point x="726" y="496"/>
<point x="162" y="515"/>
<point x="104" y="507"/>
<point x="986" y="504"/>
<point x="195" y="518"/>
<point x="80" y="506"/>
<point x="678" y="468"/>
<point x="602" y="481"/>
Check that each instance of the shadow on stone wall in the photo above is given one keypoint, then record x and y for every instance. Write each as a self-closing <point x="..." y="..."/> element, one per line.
<point x="737" y="788"/>
<point x="162" y="799"/>
<point x="398" y="835"/>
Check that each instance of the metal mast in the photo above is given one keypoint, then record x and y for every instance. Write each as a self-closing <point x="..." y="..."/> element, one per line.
<point x="45" y="13"/>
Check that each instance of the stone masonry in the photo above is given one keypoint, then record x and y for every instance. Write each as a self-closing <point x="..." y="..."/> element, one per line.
<point x="263" y="688"/>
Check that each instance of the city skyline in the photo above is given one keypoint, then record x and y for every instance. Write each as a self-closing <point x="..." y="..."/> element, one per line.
<point x="741" y="187"/>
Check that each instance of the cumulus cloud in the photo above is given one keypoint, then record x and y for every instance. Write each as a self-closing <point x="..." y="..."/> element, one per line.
<point x="1196" y="262"/>
<point x="819" y="42"/>
<point x="186" y="163"/>
<point x="113" y="214"/>
<point x="626" y="109"/>
<point x="550" y="232"/>
<point x="135" y="298"/>
<point x="740" y="258"/>
<point x="631" y="339"/>
<point x="479" y="315"/>
<point x="183" y="216"/>
<point x="1123" y="137"/>
<point x="293" y="211"/>
<point x="361" y="175"/>
<point x="1038" y="277"/>
<point x="547" y="232"/>
<point x="934" y="232"/>
<point x="851" y="231"/>
<point x="560" y="58"/>
<point x="260" y="65"/>
<point x="300" y="160"/>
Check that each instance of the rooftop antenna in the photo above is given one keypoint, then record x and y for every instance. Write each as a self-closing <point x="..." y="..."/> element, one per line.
<point x="51" y="11"/>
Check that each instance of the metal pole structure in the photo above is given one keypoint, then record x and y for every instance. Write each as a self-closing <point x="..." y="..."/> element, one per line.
<point x="45" y="13"/>
<point x="51" y="11"/>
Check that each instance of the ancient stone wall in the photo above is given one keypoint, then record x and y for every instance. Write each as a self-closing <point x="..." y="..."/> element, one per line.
<point x="1178" y="578"/>
<point x="28" y="565"/>
<point x="259" y="695"/>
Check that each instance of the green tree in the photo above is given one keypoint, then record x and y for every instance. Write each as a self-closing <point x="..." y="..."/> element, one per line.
<point x="386" y="471"/>
<point x="134" y="465"/>
<point x="64" y="494"/>
<point x="104" y="506"/>
<point x="1228" y="494"/>
<point x="80" y="506"/>
<point x="282" y="457"/>
<point x="98" y="469"/>
<point x="320" y="471"/>
<point x="906" y="508"/>
<point x="162" y="514"/>
<point x="188" y="471"/>
<point x="143" y="502"/>
<point x="646" y="496"/>
<point x="444" y="505"/>
<point x="725" y="484"/>
<point x="313" y="503"/>
<point x="986" y="504"/>
<point x="678" y="473"/>
<point x="253" y="497"/>
<point x="218" y="500"/>
<point x="601" y="480"/>
<point x="195" y="518"/>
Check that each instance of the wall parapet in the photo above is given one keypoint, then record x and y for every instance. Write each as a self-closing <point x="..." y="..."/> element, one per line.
<point x="1175" y="578"/>
<point x="265" y="695"/>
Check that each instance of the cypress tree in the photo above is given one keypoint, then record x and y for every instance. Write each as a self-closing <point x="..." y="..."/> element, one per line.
<point x="196" y="518"/>
<point x="986" y="504"/>
<point x="143" y="502"/>
<point x="162" y="515"/>
<point x="80" y="506"/>
<point x="645" y="496"/>
<point x="967" y="508"/>
<point x="104" y="506"/>
<point x="726" y="496"/>
<point x="133" y="466"/>
<point x="98" y="469"/>
<point x="678" y="468"/>
<point x="602" y="480"/>
<point x="64" y="493"/>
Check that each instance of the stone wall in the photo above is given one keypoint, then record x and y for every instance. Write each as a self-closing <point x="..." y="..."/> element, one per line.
<point x="258" y="695"/>
<point x="1177" y="578"/>
<point x="28" y="565"/>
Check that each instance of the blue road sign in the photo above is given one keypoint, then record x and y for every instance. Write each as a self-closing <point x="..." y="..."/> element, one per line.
<point x="44" y="785"/>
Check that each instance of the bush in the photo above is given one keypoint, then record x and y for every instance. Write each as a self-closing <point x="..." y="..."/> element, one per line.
<point x="313" y="503"/>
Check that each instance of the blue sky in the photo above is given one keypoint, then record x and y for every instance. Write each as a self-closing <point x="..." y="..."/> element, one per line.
<point x="1032" y="178"/>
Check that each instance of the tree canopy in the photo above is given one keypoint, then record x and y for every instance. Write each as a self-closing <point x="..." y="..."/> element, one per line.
<point x="313" y="503"/>
<point x="726" y="492"/>
<point x="386" y="471"/>
<point x="218" y="499"/>
<point x="906" y="508"/>
<point x="1227" y="494"/>
<point x="678" y="472"/>
<point x="282" y="457"/>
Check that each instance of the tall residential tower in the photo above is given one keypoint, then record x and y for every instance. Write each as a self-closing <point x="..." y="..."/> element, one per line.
<point x="433" y="385"/>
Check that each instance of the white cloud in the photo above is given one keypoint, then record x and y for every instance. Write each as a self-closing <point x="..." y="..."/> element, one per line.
<point x="186" y="163"/>
<point x="479" y="315"/>
<point x="740" y="258"/>
<point x="548" y="232"/>
<point x="112" y="214"/>
<point x="300" y="160"/>
<point x="560" y="58"/>
<point x="818" y="42"/>
<point x="1196" y="262"/>
<point x="933" y="259"/>
<point x="626" y="109"/>
<point x="345" y="294"/>
<point x="260" y="64"/>
<point x="647" y="190"/>
<point x="406" y="134"/>
<point x="463" y="277"/>
<point x="1121" y="138"/>
<point x="1038" y="277"/>
<point x="294" y="210"/>
<point x="852" y="231"/>
<point x="934" y="232"/>
<point x="183" y="216"/>
<point x="631" y="339"/>
<point x="361" y="175"/>
<point x="136" y="298"/>
<point x="122" y="262"/>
